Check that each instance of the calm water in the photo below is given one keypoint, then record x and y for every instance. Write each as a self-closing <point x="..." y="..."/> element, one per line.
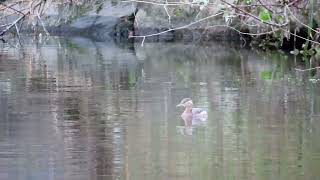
<point x="77" y="109"/>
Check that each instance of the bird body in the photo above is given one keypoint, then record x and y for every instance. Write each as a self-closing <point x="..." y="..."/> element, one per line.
<point x="191" y="113"/>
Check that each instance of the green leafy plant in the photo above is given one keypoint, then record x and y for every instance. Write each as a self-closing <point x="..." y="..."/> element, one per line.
<point x="265" y="15"/>
<point x="266" y="75"/>
<point x="177" y="11"/>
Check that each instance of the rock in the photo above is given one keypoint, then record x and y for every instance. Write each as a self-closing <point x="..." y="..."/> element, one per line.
<point x="151" y="19"/>
<point x="99" y="21"/>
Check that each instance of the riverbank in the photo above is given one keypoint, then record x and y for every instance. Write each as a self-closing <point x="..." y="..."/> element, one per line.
<point x="272" y="24"/>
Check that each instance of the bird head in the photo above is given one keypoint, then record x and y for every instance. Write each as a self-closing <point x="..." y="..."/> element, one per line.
<point x="186" y="102"/>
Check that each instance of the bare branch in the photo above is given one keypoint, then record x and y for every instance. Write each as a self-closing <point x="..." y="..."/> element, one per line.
<point x="169" y="17"/>
<point x="17" y="29"/>
<point x="294" y="34"/>
<point x="42" y="24"/>
<point x="9" y="7"/>
<point x="181" y="27"/>
<point x="244" y="33"/>
<point x="253" y="16"/>
<point x="265" y="6"/>
<point x="317" y="32"/>
<point x="304" y="70"/>
<point x="13" y="24"/>
<point x="160" y="4"/>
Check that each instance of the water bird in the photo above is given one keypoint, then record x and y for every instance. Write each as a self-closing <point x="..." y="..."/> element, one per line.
<point x="190" y="113"/>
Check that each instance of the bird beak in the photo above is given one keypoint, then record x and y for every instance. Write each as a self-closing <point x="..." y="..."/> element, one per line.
<point x="180" y="105"/>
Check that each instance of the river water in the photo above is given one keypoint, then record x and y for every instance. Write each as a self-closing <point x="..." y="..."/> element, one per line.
<point x="72" y="108"/>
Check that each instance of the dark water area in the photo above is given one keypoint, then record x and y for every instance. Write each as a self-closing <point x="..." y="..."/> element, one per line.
<point x="76" y="109"/>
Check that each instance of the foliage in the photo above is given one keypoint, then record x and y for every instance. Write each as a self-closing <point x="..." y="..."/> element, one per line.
<point x="266" y="75"/>
<point x="265" y="15"/>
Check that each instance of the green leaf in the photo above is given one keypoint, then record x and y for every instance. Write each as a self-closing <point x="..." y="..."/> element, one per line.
<point x="280" y="18"/>
<point x="311" y="52"/>
<point x="266" y="75"/>
<point x="264" y="15"/>
<point x="178" y="11"/>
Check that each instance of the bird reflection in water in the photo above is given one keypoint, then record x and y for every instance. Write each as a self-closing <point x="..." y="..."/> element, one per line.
<point x="191" y="116"/>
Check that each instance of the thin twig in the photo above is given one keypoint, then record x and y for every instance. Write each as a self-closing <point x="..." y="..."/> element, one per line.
<point x="300" y="21"/>
<point x="161" y="4"/>
<point x="144" y="38"/>
<point x="17" y="29"/>
<point x="315" y="42"/>
<point x="169" y="17"/>
<point x="243" y="33"/>
<point x="181" y="27"/>
<point x="193" y="4"/>
<point x="42" y="24"/>
<point x="253" y="16"/>
<point x="13" y="4"/>
<point x="4" y="25"/>
<point x="304" y="70"/>
<point x="7" y="15"/>
<point x="291" y="3"/>
<point x="265" y="6"/>
<point x="13" y="24"/>
<point x="135" y="14"/>
<point x="9" y="7"/>
<point x="18" y="33"/>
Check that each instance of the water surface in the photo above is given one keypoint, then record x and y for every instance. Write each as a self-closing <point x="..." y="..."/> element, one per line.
<point x="78" y="109"/>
